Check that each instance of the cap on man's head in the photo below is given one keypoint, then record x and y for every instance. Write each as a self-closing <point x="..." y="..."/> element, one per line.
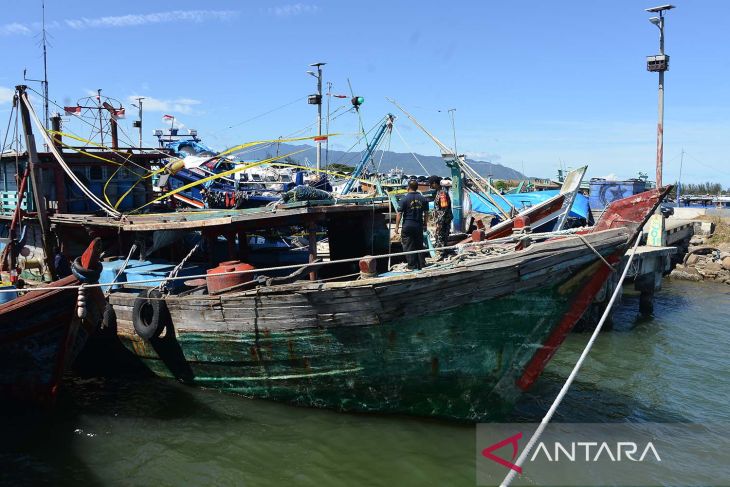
<point x="434" y="180"/>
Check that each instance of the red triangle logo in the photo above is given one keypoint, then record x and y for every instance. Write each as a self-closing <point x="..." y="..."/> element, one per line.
<point x="512" y="440"/>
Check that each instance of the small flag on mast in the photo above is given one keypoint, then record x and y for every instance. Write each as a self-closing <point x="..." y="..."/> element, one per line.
<point x="72" y="110"/>
<point x="167" y="117"/>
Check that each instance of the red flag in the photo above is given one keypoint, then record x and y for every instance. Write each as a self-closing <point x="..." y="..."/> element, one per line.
<point x="167" y="117"/>
<point x="340" y="96"/>
<point x="120" y="113"/>
<point x="72" y="110"/>
<point x="320" y="138"/>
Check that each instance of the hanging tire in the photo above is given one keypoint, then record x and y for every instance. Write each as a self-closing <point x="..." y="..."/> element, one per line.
<point x="149" y="314"/>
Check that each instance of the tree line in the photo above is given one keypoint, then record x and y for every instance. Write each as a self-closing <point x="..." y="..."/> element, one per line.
<point x="702" y="188"/>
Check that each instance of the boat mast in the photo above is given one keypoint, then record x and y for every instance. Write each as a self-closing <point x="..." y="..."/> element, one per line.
<point x="36" y="178"/>
<point x="327" y="126"/>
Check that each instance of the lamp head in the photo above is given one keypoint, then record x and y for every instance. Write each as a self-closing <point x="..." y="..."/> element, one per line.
<point x="312" y="73"/>
<point x="660" y="8"/>
<point x="654" y="20"/>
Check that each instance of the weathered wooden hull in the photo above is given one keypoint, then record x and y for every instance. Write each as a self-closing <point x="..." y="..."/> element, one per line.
<point x="455" y="345"/>
<point x="40" y="336"/>
<point x="458" y="342"/>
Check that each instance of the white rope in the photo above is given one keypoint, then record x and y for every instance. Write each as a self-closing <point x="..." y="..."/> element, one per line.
<point x="121" y="269"/>
<point x="296" y="266"/>
<point x="251" y="271"/>
<point x="548" y="416"/>
<point x="51" y="146"/>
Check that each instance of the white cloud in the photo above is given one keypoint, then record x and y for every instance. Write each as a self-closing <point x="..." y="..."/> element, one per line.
<point x="6" y="95"/>
<point x="482" y="156"/>
<point x="131" y="20"/>
<point x="292" y="9"/>
<point x="14" y="28"/>
<point x="171" y="107"/>
<point x="134" y="20"/>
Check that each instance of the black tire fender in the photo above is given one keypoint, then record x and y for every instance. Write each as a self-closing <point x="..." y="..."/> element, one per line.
<point x="149" y="314"/>
<point x="87" y="276"/>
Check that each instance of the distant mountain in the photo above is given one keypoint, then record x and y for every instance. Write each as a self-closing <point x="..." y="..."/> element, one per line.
<point x="432" y="164"/>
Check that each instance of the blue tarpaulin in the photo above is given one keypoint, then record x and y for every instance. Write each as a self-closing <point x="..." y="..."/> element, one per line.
<point x="523" y="200"/>
<point x="183" y="148"/>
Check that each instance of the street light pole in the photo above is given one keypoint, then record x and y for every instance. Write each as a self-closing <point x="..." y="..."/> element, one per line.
<point x="139" y="106"/>
<point x="660" y="64"/>
<point x="318" y="102"/>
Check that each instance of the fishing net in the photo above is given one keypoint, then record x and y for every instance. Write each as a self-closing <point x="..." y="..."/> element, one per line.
<point x="306" y="193"/>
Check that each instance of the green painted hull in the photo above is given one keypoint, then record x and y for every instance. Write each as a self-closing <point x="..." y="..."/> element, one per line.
<point x="460" y="364"/>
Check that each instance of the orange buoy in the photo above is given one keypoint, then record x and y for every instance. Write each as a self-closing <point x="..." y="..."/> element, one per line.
<point x="228" y="275"/>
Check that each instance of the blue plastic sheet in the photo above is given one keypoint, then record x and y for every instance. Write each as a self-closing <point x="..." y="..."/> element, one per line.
<point x="524" y="200"/>
<point x="190" y="146"/>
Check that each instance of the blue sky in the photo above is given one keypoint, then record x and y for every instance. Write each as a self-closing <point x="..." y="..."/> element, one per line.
<point x="534" y="84"/>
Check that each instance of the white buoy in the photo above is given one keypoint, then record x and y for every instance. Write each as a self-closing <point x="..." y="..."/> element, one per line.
<point x="81" y="304"/>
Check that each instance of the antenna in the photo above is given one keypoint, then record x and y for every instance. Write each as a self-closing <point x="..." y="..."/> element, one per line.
<point x="45" y="63"/>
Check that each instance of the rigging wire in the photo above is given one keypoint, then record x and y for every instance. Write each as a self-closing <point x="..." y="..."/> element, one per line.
<point x="7" y="130"/>
<point x="382" y="153"/>
<point x="107" y="208"/>
<point x="410" y="150"/>
<point x="265" y="113"/>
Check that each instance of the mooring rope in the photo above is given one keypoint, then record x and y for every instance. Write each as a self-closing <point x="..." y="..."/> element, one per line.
<point x="291" y="266"/>
<point x="174" y="272"/>
<point x="121" y="269"/>
<point x="564" y="390"/>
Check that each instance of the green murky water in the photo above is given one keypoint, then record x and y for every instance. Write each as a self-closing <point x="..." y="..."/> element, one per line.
<point x="134" y="430"/>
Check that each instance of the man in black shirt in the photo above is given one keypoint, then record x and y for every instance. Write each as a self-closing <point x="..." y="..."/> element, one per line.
<point x="413" y="212"/>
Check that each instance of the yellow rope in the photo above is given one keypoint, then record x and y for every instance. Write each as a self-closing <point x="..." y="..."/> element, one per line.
<point x="216" y="176"/>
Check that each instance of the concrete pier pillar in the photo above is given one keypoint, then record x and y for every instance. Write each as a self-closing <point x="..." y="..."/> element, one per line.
<point x="646" y="284"/>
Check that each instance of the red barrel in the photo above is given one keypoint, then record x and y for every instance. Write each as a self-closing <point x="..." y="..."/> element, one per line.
<point x="228" y="275"/>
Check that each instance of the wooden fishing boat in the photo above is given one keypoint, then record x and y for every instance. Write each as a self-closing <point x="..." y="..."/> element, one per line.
<point x="41" y="333"/>
<point x="459" y="340"/>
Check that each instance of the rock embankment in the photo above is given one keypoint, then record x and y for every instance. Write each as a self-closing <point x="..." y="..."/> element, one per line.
<point x="707" y="258"/>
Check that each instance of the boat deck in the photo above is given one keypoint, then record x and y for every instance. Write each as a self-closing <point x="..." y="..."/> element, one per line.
<point x="293" y="214"/>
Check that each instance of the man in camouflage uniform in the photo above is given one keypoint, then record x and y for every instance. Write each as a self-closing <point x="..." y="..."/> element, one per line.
<point x="442" y="214"/>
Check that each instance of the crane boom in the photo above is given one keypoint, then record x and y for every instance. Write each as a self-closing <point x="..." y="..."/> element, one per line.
<point x="387" y="126"/>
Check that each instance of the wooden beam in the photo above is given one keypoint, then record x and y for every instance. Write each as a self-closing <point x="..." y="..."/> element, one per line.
<point x="312" y="248"/>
